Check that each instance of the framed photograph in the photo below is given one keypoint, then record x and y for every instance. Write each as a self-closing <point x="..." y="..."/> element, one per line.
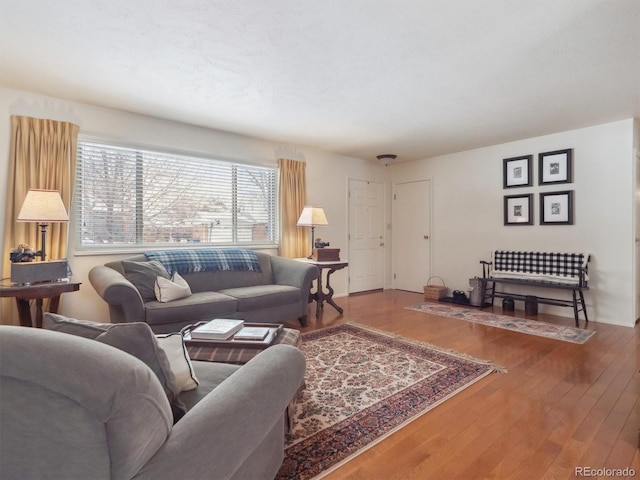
<point x="554" y="167"/>
<point x="556" y="208"/>
<point x="518" y="209"/>
<point x="516" y="172"/>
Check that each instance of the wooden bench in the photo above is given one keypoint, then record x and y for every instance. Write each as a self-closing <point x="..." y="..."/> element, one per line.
<point x="560" y="271"/>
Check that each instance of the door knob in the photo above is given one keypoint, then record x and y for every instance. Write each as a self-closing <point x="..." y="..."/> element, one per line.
<point x="426" y="237"/>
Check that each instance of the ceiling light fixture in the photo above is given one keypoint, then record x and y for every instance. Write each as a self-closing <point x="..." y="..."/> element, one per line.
<point x="387" y="158"/>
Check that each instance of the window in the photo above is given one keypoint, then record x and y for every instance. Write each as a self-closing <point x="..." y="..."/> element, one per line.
<point x="134" y="197"/>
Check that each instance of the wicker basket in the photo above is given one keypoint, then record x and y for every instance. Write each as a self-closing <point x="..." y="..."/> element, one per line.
<point x="435" y="292"/>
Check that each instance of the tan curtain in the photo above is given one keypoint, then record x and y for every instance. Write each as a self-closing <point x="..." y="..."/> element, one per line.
<point x="294" y="240"/>
<point x="42" y="154"/>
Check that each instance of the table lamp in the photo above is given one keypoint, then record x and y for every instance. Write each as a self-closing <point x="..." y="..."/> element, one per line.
<point x="43" y="207"/>
<point x="312" y="217"/>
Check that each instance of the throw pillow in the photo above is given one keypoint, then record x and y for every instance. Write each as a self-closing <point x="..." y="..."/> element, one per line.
<point x="143" y="276"/>
<point x="136" y="339"/>
<point x="176" y="351"/>
<point x="81" y="328"/>
<point x="170" y="290"/>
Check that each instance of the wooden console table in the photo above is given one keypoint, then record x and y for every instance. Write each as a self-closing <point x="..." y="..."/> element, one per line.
<point x="23" y="293"/>
<point x="320" y="296"/>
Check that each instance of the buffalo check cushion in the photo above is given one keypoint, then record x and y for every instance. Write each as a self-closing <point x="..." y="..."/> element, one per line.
<point x="541" y="266"/>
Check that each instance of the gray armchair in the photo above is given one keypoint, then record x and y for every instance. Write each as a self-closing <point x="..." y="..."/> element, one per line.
<point x="75" y="408"/>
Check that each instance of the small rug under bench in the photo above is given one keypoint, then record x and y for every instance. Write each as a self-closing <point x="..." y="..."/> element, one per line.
<point x="362" y="385"/>
<point x="522" y="325"/>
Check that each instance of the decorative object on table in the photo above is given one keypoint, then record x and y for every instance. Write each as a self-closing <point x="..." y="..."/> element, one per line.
<point x="518" y="210"/>
<point x="37" y="272"/>
<point x="326" y="254"/>
<point x="433" y="291"/>
<point x="507" y="322"/>
<point x="217" y="329"/>
<point x="312" y="217"/>
<point x="361" y="385"/>
<point x="41" y="207"/>
<point x="320" y="244"/>
<point x="387" y="158"/>
<point x="517" y="172"/>
<point x="555" y="167"/>
<point x="22" y="253"/>
<point x="556" y="208"/>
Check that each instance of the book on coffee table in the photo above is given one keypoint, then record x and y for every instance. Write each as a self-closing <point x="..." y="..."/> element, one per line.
<point x="252" y="333"/>
<point x="217" y="329"/>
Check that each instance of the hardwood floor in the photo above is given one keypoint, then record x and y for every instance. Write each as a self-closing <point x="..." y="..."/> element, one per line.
<point x="561" y="406"/>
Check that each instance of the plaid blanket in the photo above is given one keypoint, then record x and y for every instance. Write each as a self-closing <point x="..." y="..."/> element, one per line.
<point x="559" y="264"/>
<point x="204" y="260"/>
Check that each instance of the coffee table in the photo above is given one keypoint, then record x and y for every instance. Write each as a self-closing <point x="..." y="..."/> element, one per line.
<point x="237" y="352"/>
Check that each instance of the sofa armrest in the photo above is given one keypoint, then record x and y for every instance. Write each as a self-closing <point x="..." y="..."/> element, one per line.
<point x="287" y="271"/>
<point x="218" y="436"/>
<point x="118" y="292"/>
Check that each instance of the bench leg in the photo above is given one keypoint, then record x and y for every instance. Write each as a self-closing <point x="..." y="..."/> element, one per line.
<point x="575" y="307"/>
<point x="485" y="288"/>
<point x="493" y="292"/>
<point x="584" y="307"/>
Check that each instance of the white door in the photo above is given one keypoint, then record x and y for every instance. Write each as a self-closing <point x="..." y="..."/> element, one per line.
<point x="366" y="236"/>
<point x="411" y="235"/>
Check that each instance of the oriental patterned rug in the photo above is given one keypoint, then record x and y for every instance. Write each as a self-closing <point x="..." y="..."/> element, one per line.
<point x="522" y="325"/>
<point x="362" y="385"/>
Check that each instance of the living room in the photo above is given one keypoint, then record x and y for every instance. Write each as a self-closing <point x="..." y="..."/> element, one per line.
<point x="466" y="185"/>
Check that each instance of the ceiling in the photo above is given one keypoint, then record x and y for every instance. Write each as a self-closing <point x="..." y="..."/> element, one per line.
<point x="416" y="78"/>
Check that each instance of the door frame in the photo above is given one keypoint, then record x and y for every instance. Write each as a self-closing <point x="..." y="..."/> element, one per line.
<point x="636" y="232"/>
<point x="386" y="235"/>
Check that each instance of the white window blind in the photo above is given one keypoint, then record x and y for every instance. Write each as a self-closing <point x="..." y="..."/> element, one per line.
<point x="128" y="196"/>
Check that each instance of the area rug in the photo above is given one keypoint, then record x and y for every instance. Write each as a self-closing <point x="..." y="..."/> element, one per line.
<point x="362" y="385"/>
<point x="522" y="325"/>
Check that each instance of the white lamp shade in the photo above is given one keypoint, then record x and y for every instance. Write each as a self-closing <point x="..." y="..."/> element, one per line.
<point x="312" y="216"/>
<point x="43" y="206"/>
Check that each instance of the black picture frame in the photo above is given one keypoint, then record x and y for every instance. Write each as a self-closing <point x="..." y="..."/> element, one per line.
<point x="517" y="172"/>
<point x="555" y="167"/>
<point x="518" y="210"/>
<point x="556" y="208"/>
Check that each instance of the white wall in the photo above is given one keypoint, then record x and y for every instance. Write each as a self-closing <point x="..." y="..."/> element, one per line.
<point x="327" y="174"/>
<point x="467" y="221"/>
<point x="467" y="196"/>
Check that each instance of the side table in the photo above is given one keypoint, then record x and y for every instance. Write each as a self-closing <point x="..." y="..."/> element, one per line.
<point x="320" y="296"/>
<point x="23" y="293"/>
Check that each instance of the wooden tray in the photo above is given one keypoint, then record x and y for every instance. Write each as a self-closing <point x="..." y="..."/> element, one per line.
<point x="274" y="331"/>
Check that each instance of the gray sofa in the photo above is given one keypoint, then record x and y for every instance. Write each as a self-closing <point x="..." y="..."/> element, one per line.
<point x="75" y="408"/>
<point x="276" y="293"/>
